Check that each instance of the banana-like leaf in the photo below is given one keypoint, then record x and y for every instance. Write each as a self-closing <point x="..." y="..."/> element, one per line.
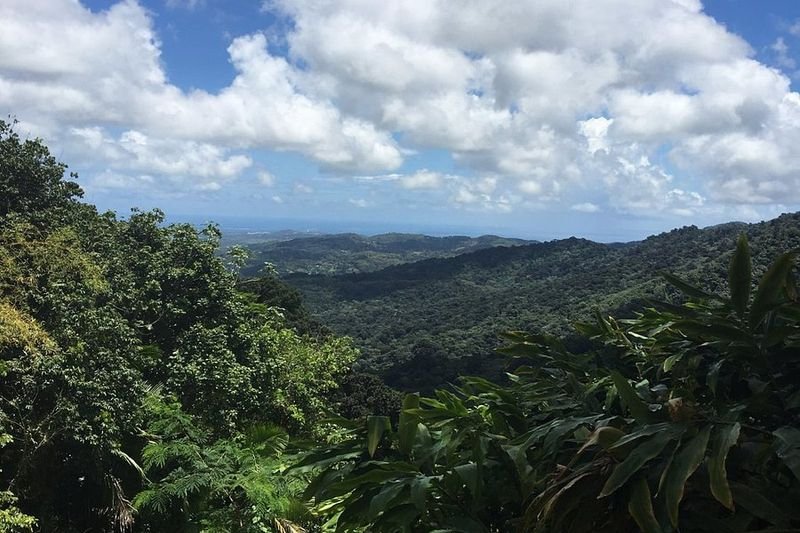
<point x="407" y="427"/>
<point x="640" y="507"/>
<point x="634" y="462"/>
<point x="759" y="505"/>
<point x="770" y="289"/>
<point x="788" y="448"/>
<point x="724" y="440"/>
<point x="376" y="426"/>
<point x="740" y="276"/>
<point x="681" y="469"/>
<point x="469" y="475"/>
<point x="381" y="501"/>
<point x="689" y="289"/>
<point x="632" y="401"/>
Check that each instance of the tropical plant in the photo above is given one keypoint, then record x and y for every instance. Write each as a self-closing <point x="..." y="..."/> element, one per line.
<point x="206" y="484"/>
<point x="684" y="418"/>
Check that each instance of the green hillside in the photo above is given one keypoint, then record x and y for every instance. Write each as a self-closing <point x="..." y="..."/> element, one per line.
<point x="352" y="253"/>
<point x="420" y="325"/>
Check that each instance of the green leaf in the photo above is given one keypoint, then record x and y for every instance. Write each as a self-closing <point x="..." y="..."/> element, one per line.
<point x="682" y="467"/>
<point x="469" y="475"/>
<point x="362" y="481"/>
<point x="419" y="492"/>
<point x="788" y="448"/>
<point x="770" y="289"/>
<point x="407" y="427"/>
<point x="632" y="401"/>
<point x="740" y="276"/>
<point x="635" y="461"/>
<point x="758" y="505"/>
<point x="640" y="507"/>
<point x="688" y="289"/>
<point x="713" y="331"/>
<point x="724" y="440"/>
<point x="380" y="502"/>
<point x="376" y="426"/>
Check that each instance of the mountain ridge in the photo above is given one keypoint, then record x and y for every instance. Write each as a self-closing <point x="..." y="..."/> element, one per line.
<point x="445" y="314"/>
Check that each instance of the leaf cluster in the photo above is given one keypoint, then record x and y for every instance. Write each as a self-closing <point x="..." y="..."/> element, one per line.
<point x="683" y="418"/>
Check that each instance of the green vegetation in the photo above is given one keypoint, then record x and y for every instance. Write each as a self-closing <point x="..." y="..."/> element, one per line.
<point x="421" y="325"/>
<point x="351" y="253"/>
<point x="134" y="361"/>
<point x="147" y="386"/>
<point x="683" y="418"/>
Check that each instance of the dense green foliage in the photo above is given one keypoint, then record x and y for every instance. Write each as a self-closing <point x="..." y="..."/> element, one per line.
<point x="420" y="325"/>
<point x="351" y="253"/>
<point x="684" y="418"/>
<point x="115" y="332"/>
<point x="145" y="385"/>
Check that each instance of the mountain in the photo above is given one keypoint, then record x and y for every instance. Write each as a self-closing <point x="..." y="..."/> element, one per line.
<point x="421" y="324"/>
<point x="352" y="253"/>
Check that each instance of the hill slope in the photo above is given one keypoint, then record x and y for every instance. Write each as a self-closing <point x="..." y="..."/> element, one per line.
<point x="423" y="323"/>
<point x="352" y="253"/>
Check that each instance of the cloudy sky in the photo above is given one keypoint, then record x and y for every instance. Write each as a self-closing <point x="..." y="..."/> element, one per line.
<point x="609" y="119"/>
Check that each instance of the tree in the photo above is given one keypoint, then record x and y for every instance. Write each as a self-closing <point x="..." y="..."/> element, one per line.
<point x="31" y="180"/>
<point x="682" y="418"/>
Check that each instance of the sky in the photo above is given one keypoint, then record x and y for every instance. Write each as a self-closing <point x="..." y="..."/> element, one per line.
<point x="605" y="119"/>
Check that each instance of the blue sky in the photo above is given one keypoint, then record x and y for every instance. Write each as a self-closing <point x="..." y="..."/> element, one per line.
<point x="545" y="119"/>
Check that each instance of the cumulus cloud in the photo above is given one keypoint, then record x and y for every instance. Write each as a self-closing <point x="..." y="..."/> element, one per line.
<point x="62" y="64"/>
<point x="135" y="150"/>
<point x="651" y="103"/>
<point x="535" y="90"/>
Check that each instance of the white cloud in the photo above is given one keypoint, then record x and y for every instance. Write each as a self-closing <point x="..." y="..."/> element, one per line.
<point x="110" y="181"/>
<point x="61" y="64"/>
<point x="277" y="199"/>
<point x="185" y="4"/>
<point x="782" y="54"/>
<point x="586" y="207"/>
<point x="302" y="188"/>
<point x="136" y="151"/>
<point x="210" y="186"/>
<point x="530" y="187"/>
<point x="266" y="178"/>
<point x="359" y="202"/>
<point x="423" y="179"/>
<point x="629" y="97"/>
<point x="650" y="75"/>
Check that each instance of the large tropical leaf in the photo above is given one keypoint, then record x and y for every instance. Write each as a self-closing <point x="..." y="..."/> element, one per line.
<point x="725" y="438"/>
<point x="635" y="461"/>
<point x="640" y="506"/>
<point x="739" y="276"/>
<point x="770" y="289"/>
<point x="376" y="426"/>
<point x="682" y="467"/>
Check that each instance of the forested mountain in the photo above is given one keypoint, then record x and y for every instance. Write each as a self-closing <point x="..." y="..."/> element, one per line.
<point x="147" y="386"/>
<point x="422" y="324"/>
<point x="143" y="382"/>
<point x="352" y="253"/>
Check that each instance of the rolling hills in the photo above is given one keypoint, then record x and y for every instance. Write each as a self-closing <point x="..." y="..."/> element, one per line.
<point x="421" y="324"/>
<point x="351" y="253"/>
